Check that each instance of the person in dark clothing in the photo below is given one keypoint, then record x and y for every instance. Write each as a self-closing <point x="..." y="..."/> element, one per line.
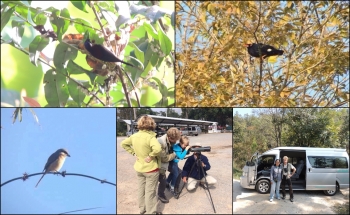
<point x="286" y="177"/>
<point x="196" y="174"/>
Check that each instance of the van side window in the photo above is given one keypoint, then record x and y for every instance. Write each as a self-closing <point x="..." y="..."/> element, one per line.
<point x="328" y="162"/>
<point x="340" y="162"/>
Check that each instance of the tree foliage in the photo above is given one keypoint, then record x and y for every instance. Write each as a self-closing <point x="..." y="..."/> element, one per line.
<point x="305" y="127"/>
<point x="213" y="68"/>
<point x="46" y="61"/>
<point x="221" y="115"/>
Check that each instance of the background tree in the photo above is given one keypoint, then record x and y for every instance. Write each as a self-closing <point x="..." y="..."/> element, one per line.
<point x="213" y="67"/>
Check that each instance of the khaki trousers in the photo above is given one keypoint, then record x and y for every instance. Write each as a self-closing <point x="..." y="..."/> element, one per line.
<point x="147" y="183"/>
<point x="191" y="184"/>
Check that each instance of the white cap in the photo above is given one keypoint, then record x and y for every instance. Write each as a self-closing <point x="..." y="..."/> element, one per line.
<point x="197" y="144"/>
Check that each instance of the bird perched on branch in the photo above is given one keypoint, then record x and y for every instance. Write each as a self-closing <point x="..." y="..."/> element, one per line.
<point x="55" y="162"/>
<point x="266" y="50"/>
<point x="102" y="53"/>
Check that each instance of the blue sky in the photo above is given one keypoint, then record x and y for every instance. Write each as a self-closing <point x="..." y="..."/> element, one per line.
<point x="243" y="111"/>
<point x="89" y="135"/>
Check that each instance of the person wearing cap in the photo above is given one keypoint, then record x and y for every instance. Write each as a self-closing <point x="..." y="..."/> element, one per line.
<point x="275" y="179"/>
<point x="196" y="173"/>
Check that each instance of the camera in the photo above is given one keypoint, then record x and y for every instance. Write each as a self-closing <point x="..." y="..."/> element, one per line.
<point x="200" y="149"/>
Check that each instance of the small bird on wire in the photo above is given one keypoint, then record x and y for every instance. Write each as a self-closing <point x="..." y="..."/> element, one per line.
<point x="266" y="50"/>
<point x="55" y="162"/>
<point x="102" y="53"/>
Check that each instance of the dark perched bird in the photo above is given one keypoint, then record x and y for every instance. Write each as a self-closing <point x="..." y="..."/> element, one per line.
<point x="266" y="50"/>
<point x="102" y="53"/>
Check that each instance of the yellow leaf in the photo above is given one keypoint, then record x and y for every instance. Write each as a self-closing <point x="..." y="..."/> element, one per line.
<point x="272" y="59"/>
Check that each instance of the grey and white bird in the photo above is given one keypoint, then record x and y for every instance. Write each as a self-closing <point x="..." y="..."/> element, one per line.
<point x="55" y="162"/>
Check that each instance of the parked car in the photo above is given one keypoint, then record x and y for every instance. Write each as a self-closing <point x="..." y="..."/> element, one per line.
<point x="192" y="130"/>
<point x="324" y="169"/>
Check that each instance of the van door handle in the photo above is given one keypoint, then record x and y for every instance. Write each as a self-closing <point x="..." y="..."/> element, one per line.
<point x="309" y="169"/>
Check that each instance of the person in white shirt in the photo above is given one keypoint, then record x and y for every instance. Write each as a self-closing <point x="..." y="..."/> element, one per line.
<point x="286" y="177"/>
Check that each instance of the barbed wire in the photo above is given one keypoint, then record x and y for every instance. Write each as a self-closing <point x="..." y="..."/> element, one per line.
<point x="63" y="173"/>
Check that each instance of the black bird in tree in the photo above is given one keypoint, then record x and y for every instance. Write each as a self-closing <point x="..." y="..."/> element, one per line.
<point x="266" y="50"/>
<point x="102" y="53"/>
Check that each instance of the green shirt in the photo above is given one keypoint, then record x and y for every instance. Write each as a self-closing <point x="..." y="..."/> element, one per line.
<point x="143" y="144"/>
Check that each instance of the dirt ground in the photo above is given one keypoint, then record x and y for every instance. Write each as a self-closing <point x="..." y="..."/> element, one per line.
<point x="247" y="201"/>
<point x="197" y="202"/>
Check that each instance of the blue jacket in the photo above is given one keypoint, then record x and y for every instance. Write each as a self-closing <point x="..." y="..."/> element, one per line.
<point x="179" y="153"/>
<point x="197" y="171"/>
<point x="276" y="172"/>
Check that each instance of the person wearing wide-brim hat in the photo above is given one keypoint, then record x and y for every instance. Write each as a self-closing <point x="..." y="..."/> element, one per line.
<point x="197" y="174"/>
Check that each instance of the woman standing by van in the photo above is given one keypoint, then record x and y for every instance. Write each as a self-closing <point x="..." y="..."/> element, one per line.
<point x="275" y="178"/>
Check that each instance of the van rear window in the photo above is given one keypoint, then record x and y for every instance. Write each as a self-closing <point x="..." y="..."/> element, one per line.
<point x="328" y="162"/>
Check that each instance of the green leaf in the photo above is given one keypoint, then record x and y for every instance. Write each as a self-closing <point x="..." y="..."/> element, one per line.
<point x="36" y="46"/>
<point x="29" y="17"/>
<point x="62" y="54"/>
<point x="5" y="16"/>
<point x="149" y="96"/>
<point x="56" y="90"/>
<point x="173" y="19"/>
<point x="150" y="30"/>
<point x="82" y="26"/>
<point x="139" y="54"/>
<point x="40" y="19"/>
<point x="81" y="5"/>
<point x="77" y="95"/>
<point x="60" y="25"/>
<point x="110" y="17"/>
<point x="74" y="68"/>
<point x="164" y="41"/>
<point x="162" y="88"/>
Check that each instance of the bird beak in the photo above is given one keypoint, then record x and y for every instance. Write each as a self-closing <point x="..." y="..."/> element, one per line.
<point x="246" y="45"/>
<point x="68" y="155"/>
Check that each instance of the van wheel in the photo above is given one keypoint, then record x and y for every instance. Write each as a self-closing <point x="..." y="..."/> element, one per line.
<point x="331" y="192"/>
<point x="263" y="186"/>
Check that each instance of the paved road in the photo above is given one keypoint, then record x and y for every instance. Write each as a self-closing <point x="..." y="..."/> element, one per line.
<point x="246" y="201"/>
<point x="197" y="202"/>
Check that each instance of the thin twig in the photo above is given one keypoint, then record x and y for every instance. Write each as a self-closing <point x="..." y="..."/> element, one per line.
<point x="120" y="74"/>
<point x="63" y="173"/>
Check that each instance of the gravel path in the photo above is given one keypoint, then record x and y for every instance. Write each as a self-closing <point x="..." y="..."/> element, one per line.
<point x="247" y="201"/>
<point x="197" y="202"/>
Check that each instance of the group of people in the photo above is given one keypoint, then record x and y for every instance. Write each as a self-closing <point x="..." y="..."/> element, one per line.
<point x="281" y="173"/>
<point x="154" y="156"/>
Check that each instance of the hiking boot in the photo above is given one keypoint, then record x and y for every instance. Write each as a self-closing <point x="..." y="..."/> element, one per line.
<point x="163" y="199"/>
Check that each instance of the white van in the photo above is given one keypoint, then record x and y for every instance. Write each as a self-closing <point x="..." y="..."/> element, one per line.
<point x="324" y="169"/>
<point x="192" y="130"/>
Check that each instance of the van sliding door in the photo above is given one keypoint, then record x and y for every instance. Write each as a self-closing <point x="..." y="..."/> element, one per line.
<point x="320" y="174"/>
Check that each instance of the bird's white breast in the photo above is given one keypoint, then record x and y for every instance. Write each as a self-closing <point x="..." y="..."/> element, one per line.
<point x="57" y="164"/>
